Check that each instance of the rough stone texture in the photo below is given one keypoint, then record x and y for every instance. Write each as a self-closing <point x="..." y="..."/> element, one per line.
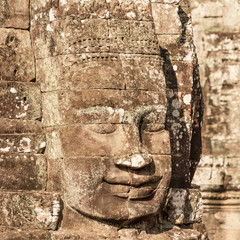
<point x="216" y="32"/>
<point x="22" y="171"/>
<point x="25" y="207"/>
<point x="100" y="102"/>
<point x="29" y="210"/>
<point x="8" y="233"/>
<point x="16" y="56"/>
<point x="126" y="234"/>
<point x="184" y="206"/>
<point x="14" y="14"/>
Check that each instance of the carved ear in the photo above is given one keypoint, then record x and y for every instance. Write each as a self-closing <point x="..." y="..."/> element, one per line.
<point x="184" y="97"/>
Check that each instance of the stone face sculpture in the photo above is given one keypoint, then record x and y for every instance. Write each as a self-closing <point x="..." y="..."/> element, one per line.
<point x="118" y="163"/>
<point x="121" y="115"/>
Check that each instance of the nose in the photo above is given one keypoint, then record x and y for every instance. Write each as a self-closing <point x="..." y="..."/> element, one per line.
<point x="134" y="161"/>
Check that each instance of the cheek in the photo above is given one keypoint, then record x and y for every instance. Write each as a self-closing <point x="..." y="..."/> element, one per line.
<point x="79" y="141"/>
<point x="83" y="175"/>
<point x="157" y="142"/>
<point x="163" y="168"/>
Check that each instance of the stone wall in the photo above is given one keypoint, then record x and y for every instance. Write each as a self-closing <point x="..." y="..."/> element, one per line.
<point x="24" y="204"/>
<point x="216" y="27"/>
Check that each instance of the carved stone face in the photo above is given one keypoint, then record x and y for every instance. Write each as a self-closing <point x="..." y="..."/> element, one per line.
<point x="104" y="102"/>
<point x="117" y="162"/>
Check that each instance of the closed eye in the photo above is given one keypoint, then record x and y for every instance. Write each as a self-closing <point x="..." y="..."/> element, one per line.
<point x="104" y="128"/>
<point x="153" y="127"/>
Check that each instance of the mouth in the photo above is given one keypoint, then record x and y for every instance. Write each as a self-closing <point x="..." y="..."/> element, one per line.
<point x="136" y="190"/>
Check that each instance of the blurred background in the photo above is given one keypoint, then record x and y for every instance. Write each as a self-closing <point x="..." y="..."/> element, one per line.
<point x="216" y="26"/>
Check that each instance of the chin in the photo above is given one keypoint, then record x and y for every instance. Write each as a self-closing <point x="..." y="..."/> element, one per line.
<point x="106" y="207"/>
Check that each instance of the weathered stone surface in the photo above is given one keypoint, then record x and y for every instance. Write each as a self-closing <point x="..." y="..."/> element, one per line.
<point x="111" y="71"/>
<point x="163" y="13"/>
<point x="70" y="36"/>
<point x="117" y="137"/>
<point x="78" y="69"/>
<point x="130" y="234"/>
<point x="133" y="10"/>
<point x="217" y="42"/>
<point x="16" y="55"/>
<point x="184" y="206"/>
<point x="14" y="14"/>
<point x="143" y="72"/>
<point x="29" y="210"/>
<point x="100" y="198"/>
<point x="83" y="32"/>
<point x="222" y="222"/>
<point x="187" y="234"/>
<point x="182" y="72"/>
<point x="98" y="106"/>
<point x="218" y="173"/>
<point x="176" y="40"/>
<point x="55" y="172"/>
<point x="20" y="101"/>
<point x="22" y="143"/>
<point x="15" y="233"/>
<point x="23" y="171"/>
<point x="11" y="126"/>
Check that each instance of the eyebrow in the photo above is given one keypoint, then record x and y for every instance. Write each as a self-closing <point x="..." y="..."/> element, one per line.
<point x="134" y="114"/>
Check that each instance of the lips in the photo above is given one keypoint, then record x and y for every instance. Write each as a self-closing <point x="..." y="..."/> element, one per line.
<point x="126" y="178"/>
<point x="131" y="186"/>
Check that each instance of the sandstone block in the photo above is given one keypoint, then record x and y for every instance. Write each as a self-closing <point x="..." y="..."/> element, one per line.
<point x="157" y="142"/>
<point x="166" y="13"/>
<point x="179" y="75"/>
<point x="54" y="146"/>
<point x="20" y="101"/>
<point x="230" y="22"/>
<point x="16" y="55"/>
<point x="180" y="234"/>
<point x="203" y="175"/>
<point x="22" y="171"/>
<point x="212" y="9"/>
<point x="184" y="206"/>
<point x="14" y="14"/>
<point x="178" y="51"/>
<point x="143" y="72"/>
<point x="11" y="126"/>
<point x="194" y="207"/>
<point x="55" y="174"/>
<point x="15" y="233"/>
<point x="22" y="143"/>
<point x="29" y="210"/>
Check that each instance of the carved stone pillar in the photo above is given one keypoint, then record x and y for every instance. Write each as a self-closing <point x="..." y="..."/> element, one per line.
<point x="216" y="34"/>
